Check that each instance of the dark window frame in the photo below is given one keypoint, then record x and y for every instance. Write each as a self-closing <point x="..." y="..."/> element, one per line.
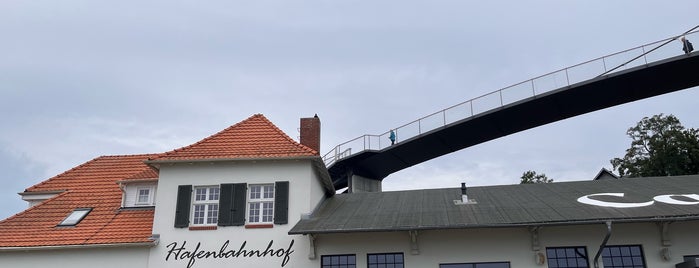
<point x="350" y="262"/>
<point x="693" y="259"/>
<point x="613" y="259"/>
<point x="472" y="264"/>
<point x="567" y="258"/>
<point x="385" y="261"/>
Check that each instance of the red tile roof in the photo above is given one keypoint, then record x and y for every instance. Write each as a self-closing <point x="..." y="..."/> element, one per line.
<point x="94" y="184"/>
<point x="255" y="137"/>
<point x="90" y="185"/>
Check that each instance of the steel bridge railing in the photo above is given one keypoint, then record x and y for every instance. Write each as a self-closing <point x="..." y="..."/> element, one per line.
<point x="591" y="69"/>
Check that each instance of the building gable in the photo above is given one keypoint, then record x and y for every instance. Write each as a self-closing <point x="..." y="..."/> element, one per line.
<point x="252" y="138"/>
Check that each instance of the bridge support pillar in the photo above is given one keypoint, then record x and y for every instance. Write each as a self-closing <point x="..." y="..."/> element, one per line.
<point x="359" y="184"/>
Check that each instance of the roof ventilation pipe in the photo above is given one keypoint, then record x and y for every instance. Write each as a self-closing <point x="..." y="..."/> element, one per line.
<point x="464" y="197"/>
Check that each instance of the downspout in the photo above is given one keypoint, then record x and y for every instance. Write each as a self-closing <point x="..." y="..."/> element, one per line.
<point x="604" y="243"/>
<point x="123" y="193"/>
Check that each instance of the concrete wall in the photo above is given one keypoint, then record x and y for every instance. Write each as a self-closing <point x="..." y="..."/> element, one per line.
<point x="77" y="258"/>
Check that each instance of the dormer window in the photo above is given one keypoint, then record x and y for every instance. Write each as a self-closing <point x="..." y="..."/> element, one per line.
<point x="138" y="193"/>
<point x="75" y="217"/>
<point x="144" y="196"/>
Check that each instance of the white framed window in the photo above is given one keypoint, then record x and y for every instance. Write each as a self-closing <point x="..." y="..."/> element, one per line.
<point x="205" y="205"/>
<point x="144" y="196"/>
<point x="260" y="203"/>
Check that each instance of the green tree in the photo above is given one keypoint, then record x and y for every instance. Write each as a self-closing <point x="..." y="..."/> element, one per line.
<point x="532" y="177"/>
<point x="660" y="146"/>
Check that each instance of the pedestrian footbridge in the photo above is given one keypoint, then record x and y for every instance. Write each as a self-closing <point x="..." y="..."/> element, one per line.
<point x="630" y="75"/>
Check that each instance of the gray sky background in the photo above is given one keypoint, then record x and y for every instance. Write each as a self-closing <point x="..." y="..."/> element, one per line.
<point x="80" y="79"/>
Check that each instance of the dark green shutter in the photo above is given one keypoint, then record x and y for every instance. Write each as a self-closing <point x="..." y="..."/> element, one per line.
<point x="281" y="202"/>
<point x="232" y="204"/>
<point x="184" y="202"/>
<point x="225" y="205"/>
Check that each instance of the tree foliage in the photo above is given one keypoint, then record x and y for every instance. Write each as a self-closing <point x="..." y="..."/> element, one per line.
<point x="532" y="177"/>
<point x="660" y="146"/>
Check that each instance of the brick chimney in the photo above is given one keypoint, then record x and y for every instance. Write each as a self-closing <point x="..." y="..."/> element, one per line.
<point x="310" y="133"/>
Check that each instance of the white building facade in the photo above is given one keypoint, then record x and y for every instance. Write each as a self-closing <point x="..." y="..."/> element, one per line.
<point x="250" y="196"/>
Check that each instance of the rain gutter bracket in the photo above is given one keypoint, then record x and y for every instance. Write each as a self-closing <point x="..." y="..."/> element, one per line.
<point x="665" y="233"/>
<point x="534" y="231"/>
<point x="311" y="247"/>
<point x="414" y="248"/>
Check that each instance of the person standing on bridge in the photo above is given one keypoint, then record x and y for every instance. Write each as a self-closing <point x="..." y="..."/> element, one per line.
<point x="392" y="137"/>
<point x="686" y="45"/>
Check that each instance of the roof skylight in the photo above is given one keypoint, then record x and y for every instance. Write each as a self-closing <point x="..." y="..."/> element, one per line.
<point x="75" y="217"/>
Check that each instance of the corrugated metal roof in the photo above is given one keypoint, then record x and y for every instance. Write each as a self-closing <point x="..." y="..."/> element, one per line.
<point x="500" y="206"/>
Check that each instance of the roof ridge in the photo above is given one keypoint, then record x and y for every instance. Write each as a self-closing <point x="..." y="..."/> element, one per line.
<point x="165" y="154"/>
<point x="285" y="135"/>
<point x="256" y="136"/>
<point x="83" y="165"/>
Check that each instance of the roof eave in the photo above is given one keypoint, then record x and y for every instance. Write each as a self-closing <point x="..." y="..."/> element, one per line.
<point x="504" y="225"/>
<point x="41" y="192"/>
<point x="87" y="246"/>
<point x="136" y="180"/>
<point x="324" y="175"/>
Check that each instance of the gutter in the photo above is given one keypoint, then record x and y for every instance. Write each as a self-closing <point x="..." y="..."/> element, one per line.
<point x="89" y="246"/>
<point x="313" y="230"/>
<point x="40" y="192"/>
<point x="604" y="243"/>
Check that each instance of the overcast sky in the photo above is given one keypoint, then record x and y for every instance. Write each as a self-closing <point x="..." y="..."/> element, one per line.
<point x="81" y="79"/>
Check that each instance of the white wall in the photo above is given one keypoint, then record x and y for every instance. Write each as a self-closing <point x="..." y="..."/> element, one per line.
<point x="304" y="194"/>
<point x="435" y="246"/>
<point x="77" y="258"/>
<point x="510" y="244"/>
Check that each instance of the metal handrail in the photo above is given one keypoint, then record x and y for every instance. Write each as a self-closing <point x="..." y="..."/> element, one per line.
<point x="499" y="98"/>
<point x="649" y="51"/>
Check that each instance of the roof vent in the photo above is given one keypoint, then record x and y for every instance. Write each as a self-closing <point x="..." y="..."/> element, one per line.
<point x="464" y="197"/>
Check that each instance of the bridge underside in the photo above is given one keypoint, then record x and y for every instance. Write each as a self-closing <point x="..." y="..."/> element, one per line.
<point x="630" y="85"/>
